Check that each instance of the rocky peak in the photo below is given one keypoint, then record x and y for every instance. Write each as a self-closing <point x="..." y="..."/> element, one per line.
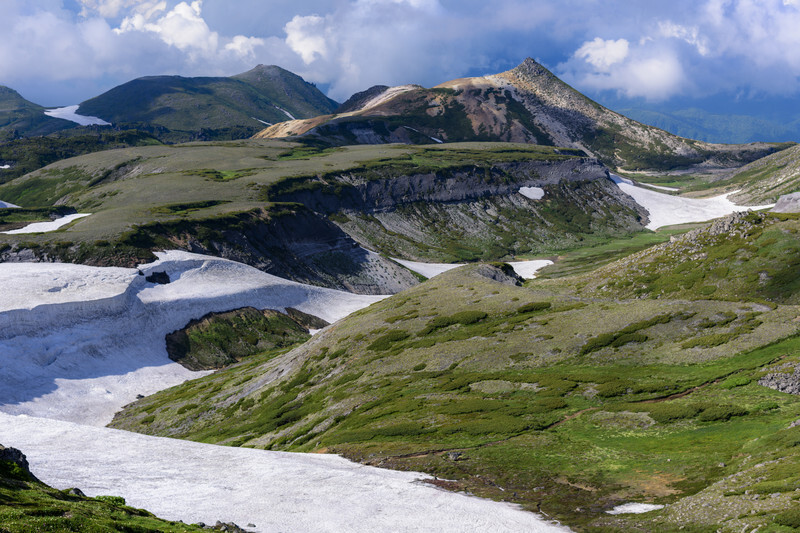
<point x="531" y="70"/>
<point x="13" y="455"/>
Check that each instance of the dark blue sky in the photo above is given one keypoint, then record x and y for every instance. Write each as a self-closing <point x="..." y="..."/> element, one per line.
<point x="738" y="55"/>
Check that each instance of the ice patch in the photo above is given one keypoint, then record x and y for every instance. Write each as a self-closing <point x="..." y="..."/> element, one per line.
<point x="534" y="193"/>
<point x="276" y="491"/>
<point x="78" y="342"/>
<point x="69" y="113"/>
<point x="44" y="227"/>
<point x="635" y="508"/>
<point x="666" y="210"/>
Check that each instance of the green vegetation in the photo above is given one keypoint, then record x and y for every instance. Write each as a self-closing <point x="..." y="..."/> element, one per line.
<point x="491" y="386"/>
<point x="753" y="258"/>
<point x="220" y="339"/>
<point x="28" y="505"/>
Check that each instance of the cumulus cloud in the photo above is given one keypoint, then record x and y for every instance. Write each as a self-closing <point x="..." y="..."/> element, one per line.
<point x="603" y="54"/>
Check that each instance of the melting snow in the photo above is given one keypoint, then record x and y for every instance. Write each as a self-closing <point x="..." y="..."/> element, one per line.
<point x="388" y="94"/>
<point x="78" y="342"/>
<point x="5" y="167"/>
<point x="666" y="210"/>
<point x="534" y="193"/>
<point x="6" y="204"/>
<point x="70" y="113"/>
<point x="635" y="508"/>
<point x="261" y="121"/>
<point x="284" y="112"/>
<point x="44" y="227"/>
<point x="276" y="491"/>
<point x="525" y="269"/>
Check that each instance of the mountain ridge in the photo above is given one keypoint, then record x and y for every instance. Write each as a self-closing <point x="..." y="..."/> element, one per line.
<point x="526" y="104"/>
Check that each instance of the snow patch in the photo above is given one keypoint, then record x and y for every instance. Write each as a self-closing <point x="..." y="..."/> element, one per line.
<point x="525" y="269"/>
<point x="44" y="227"/>
<point x="388" y="94"/>
<point x="434" y="139"/>
<point x="291" y="117"/>
<point x="70" y="113"/>
<point x="635" y="508"/>
<point x="5" y="167"/>
<point x="666" y="210"/>
<point x="7" y="205"/>
<point x="660" y="187"/>
<point x="276" y="491"/>
<point x="534" y="193"/>
<point x="261" y="121"/>
<point x="78" y="342"/>
<point x="528" y="269"/>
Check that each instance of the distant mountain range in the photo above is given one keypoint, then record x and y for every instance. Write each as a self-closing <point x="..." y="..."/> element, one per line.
<point x="177" y="108"/>
<point x="527" y="104"/>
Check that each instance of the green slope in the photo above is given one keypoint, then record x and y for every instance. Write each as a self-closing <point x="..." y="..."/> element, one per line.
<point x="526" y="394"/>
<point x="210" y="107"/>
<point x="21" y="118"/>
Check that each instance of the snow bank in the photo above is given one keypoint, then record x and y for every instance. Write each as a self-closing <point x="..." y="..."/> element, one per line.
<point x="6" y="204"/>
<point x="666" y="210"/>
<point x="70" y="113"/>
<point x="635" y="508"/>
<point x="291" y="117"/>
<point x="525" y="269"/>
<point x="44" y="227"/>
<point x="77" y="342"/>
<point x="534" y="193"/>
<point x="276" y="491"/>
<point x="528" y="269"/>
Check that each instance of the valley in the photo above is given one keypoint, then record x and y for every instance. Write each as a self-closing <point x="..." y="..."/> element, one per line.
<point x="402" y="308"/>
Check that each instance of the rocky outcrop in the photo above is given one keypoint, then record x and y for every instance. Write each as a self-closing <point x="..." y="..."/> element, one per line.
<point x="787" y="381"/>
<point x="17" y="458"/>
<point x="362" y="191"/>
<point x="788" y="203"/>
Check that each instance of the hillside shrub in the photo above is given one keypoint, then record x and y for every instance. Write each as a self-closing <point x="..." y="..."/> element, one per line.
<point x="386" y="341"/>
<point x="533" y="307"/>
<point x="721" y="413"/>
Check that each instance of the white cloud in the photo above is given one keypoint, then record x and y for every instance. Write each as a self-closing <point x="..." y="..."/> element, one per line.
<point x="306" y="36"/>
<point x="690" y="35"/>
<point x="602" y="54"/>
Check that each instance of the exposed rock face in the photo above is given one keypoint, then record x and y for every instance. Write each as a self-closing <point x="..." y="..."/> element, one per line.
<point x="15" y="456"/>
<point x="499" y="272"/>
<point x="788" y="203"/>
<point x="357" y="193"/>
<point x="788" y="382"/>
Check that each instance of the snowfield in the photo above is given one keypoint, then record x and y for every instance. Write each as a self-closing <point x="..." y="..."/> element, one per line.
<point x="44" y="227"/>
<point x="78" y="342"/>
<point x="666" y="210"/>
<point x="525" y="269"/>
<point x="70" y="113"/>
<point x="275" y="491"/>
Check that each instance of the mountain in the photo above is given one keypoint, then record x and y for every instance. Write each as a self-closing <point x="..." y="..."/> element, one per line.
<point x="210" y="106"/>
<point x="527" y="104"/>
<point x="21" y="118"/>
<point x="700" y="124"/>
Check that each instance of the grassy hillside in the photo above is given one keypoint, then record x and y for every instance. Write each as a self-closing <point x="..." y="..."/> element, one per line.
<point x="27" y="505"/>
<point x="745" y="257"/>
<point x="209" y="108"/>
<point x="21" y="118"/>
<point x="297" y="210"/>
<point x="528" y="394"/>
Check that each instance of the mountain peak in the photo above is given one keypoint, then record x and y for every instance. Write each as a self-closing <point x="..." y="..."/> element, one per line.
<point x="531" y="69"/>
